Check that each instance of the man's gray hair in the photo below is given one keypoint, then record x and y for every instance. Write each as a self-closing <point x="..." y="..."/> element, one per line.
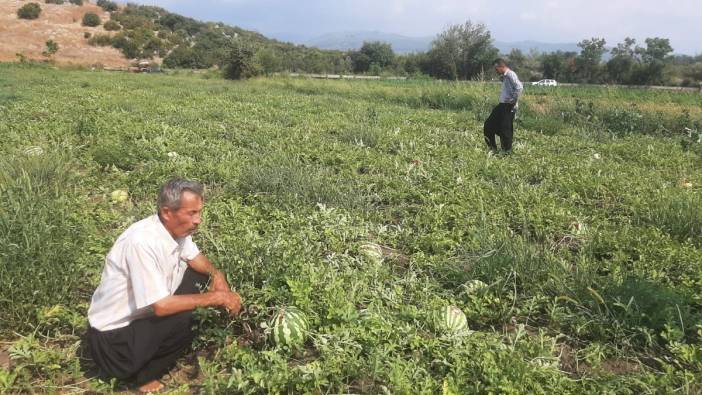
<point x="171" y="192"/>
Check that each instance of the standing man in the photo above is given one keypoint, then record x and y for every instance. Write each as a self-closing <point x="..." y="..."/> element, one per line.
<point x="501" y="120"/>
<point x="141" y="313"/>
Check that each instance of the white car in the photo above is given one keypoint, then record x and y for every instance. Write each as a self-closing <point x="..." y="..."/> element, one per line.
<point x="545" y="83"/>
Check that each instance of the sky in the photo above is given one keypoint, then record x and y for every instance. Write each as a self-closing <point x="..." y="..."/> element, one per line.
<point x="552" y="21"/>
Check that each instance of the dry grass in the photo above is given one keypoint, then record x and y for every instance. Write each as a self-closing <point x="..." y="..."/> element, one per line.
<point x="61" y="23"/>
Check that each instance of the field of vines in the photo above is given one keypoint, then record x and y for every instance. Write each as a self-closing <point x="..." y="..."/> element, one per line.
<point x="587" y="238"/>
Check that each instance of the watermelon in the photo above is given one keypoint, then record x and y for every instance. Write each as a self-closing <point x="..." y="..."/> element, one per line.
<point x="119" y="196"/>
<point x="474" y="286"/>
<point x="372" y="252"/>
<point x="453" y="320"/>
<point x="34" y="151"/>
<point x="289" y="327"/>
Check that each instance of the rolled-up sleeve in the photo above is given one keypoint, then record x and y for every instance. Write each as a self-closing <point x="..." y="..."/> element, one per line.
<point x="516" y="86"/>
<point x="190" y="250"/>
<point x="147" y="281"/>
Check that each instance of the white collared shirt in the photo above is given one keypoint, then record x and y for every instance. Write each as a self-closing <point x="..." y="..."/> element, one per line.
<point x="144" y="266"/>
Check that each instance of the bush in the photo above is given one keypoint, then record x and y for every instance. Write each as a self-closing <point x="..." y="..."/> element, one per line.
<point x="128" y="46"/>
<point x="91" y="19"/>
<point x="241" y="64"/>
<point x="51" y="48"/>
<point x="86" y="35"/>
<point x="76" y="2"/>
<point x="29" y="11"/>
<point x="184" y="57"/>
<point x="101" y="40"/>
<point x="111" y="25"/>
<point x="53" y="1"/>
<point x="107" y="5"/>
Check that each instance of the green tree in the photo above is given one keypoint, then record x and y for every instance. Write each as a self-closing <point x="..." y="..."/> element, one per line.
<point x="213" y="47"/>
<point x="29" y="11"/>
<point x="376" y="54"/>
<point x="412" y="63"/>
<point x="461" y="52"/>
<point x="656" y="49"/>
<point x="241" y="63"/>
<point x="138" y="43"/>
<point x="559" y="66"/>
<point x="590" y="59"/>
<point x="361" y="62"/>
<point x="175" y="22"/>
<point x="269" y="60"/>
<point x="107" y="5"/>
<point x="183" y="56"/>
<point x="111" y="25"/>
<point x="620" y="67"/>
<point x="517" y="60"/>
<point x="653" y="62"/>
<point x="126" y="44"/>
<point x="91" y="19"/>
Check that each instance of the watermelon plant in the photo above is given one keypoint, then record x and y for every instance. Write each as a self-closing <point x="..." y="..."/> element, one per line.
<point x="374" y="208"/>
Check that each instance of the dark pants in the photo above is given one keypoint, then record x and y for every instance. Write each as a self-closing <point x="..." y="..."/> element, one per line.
<point x="146" y="349"/>
<point x="501" y="123"/>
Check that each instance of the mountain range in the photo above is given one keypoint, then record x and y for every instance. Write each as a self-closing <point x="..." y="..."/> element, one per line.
<point x="405" y="44"/>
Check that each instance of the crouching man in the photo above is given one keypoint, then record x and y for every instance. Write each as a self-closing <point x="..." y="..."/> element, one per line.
<point x="141" y="313"/>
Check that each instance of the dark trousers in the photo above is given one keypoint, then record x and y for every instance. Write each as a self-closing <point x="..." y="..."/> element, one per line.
<point x="146" y="349"/>
<point x="501" y="123"/>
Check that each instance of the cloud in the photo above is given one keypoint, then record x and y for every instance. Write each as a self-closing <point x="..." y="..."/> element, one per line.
<point x="528" y="16"/>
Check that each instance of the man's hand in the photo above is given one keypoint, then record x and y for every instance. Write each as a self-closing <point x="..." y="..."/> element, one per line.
<point x="219" y="293"/>
<point x="230" y="301"/>
<point x="234" y="305"/>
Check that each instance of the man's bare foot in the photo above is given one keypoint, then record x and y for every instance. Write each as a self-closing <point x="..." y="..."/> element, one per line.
<point x="151" y="386"/>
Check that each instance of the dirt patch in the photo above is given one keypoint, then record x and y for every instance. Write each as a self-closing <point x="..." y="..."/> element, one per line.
<point x="539" y="107"/>
<point x="395" y="255"/>
<point x="5" y="361"/>
<point x="61" y="23"/>
<point x="569" y="362"/>
<point x="616" y="366"/>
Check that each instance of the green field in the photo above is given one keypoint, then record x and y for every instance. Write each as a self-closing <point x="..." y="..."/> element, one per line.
<point x="589" y="236"/>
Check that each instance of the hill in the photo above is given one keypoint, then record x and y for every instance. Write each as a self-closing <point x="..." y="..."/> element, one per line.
<point x="61" y="23"/>
<point x="146" y="32"/>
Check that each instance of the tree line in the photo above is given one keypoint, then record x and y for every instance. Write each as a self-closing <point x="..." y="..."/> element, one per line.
<point x="460" y="52"/>
<point x="464" y="52"/>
